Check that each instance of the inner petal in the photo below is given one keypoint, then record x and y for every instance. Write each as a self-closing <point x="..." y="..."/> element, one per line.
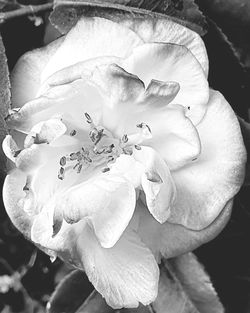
<point x="171" y="62"/>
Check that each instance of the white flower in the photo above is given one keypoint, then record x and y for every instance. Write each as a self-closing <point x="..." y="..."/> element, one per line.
<point x="121" y="153"/>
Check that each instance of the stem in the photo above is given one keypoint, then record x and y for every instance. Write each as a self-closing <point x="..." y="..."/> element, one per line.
<point x="27" y="10"/>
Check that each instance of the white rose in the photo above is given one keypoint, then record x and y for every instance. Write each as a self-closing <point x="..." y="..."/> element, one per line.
<point x="121" y="153"/>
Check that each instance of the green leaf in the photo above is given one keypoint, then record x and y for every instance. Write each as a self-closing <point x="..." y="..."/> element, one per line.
<point x="70" y="294"/>
<point x="185" y="287"/>
<point x="67" y="12"/>
<point x="4" y="100"/>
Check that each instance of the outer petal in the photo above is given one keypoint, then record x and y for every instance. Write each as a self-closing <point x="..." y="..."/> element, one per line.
<point x="125" y="274"/>
<point x="170" y="62"/>
<point x="26" y="75"/>
<point x="164" y="30"/>
<point x="108" y="203"/>
<point x="205" y="186"/>
<point x="170" y="240"/>
<point x="91" y="38"/>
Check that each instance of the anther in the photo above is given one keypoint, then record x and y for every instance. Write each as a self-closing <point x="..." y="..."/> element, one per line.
<point x="89" y="119"/>
<point x="137" y="147"/>
<point x="106" y="169"/>
<point x="61" y="173"/>
<point x="143" y="125"/>
<point x="63" y="161"/>
<point x="73" y="132"/>
<point x="125" y="138"/>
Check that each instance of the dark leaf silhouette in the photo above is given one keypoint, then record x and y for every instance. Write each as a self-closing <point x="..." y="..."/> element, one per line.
<point x="67" y="12"/>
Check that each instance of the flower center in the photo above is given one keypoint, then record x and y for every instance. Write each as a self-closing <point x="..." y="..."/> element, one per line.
<point x="102" y="148"/>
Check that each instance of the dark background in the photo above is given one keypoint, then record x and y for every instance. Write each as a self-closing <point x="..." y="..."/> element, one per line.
<point x="227" y="258"/>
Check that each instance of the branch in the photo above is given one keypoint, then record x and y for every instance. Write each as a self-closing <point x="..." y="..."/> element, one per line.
<point x="27" y="10"/>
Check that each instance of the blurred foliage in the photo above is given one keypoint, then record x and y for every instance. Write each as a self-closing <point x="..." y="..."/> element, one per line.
<point x="226" y="258"/>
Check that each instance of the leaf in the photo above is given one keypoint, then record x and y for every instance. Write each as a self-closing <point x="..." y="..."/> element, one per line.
<point x="95" y="303"/>
<point x="225" y="72"/>
<point x="184" y="287"/>
<point x="4" y="99"/>
<point x="67" y="12"/>
<point x="70" y="294"/>
<point x="233" y="16"/>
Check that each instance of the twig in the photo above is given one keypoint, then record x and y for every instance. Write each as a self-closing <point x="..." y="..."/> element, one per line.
<point x="27" y="10"/>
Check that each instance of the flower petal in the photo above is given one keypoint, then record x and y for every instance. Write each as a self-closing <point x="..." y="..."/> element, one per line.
<point x="170" y="62"/>
<point x="173" y="135"/>
<point x="157" y="183"/>
<point x="91" y="38"/>
<point x="170" y="240"/>
<point x="57" y="103"/>
<point x="125" y="274"/>
<point x="13" y="193"/>
<point x="160" y="93"/>
<point x="205" y="186"/>
<point x="167" y="31"/>
<point x="10" y="148"/>
<point x="108" y="203"/>
<point x="26" y="75"/>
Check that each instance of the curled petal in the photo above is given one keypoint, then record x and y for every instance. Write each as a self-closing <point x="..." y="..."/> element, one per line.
<point x="171" y="62"/>
<point x="91" y="38"/>
<point x="165" y="30"/>
<point x="13" y="193"/>
<point x="160" y="93"/>
<point x="118" y="85"/>
<point x="108" y="204"/>
<point x="10" y="148"/>
<point x="205" y="186"/>
<point x="157" y="183"/>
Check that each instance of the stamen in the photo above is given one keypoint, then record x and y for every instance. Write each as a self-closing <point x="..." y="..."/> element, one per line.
<point x="125" y="138"/>
<point x="106" y="169"/>
<point x="143" y="125"/>
<point x="63" y="161"/>
<point x="61" y="173"/>
<point x="89" y="119"/>
<point x="73" y="132"/>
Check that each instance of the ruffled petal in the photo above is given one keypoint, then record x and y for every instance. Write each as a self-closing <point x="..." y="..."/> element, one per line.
<point x="167" y="31"/>
<point x="205" y="186"/>
<point x="26" y="75"/>
<point x="108" y="204"/>
<point x="67" y="102"/>
<point x="173" y="135"/>
<point x="170" y="240"/>
<point x="171" y="62"/>
<point x="91" y="38"/>
<point x="157" y="183"/>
